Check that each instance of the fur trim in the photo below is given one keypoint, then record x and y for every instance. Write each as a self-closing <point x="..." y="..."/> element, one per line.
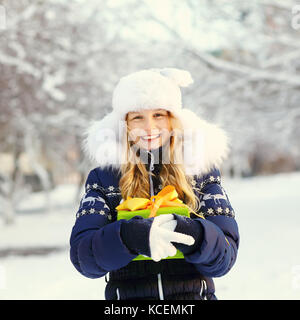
<point x="205" y="144"/>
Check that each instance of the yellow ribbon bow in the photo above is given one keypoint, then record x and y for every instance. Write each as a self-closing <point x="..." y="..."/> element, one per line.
<point x="167" y="197"/>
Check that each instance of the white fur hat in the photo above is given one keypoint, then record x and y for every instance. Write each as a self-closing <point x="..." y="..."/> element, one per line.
<point x="150" y="89"/>
<point x="205" y="144"/>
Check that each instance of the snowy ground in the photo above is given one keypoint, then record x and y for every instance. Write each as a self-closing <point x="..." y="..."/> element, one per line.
<point x="268" y="265"/>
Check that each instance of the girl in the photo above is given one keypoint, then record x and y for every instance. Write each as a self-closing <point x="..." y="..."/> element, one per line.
<point x="148" y="142"/>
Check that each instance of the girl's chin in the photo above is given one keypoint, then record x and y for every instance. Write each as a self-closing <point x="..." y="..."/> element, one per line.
<point x="150" y="146"/>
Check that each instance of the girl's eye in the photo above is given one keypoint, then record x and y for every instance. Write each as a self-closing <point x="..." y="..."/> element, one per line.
<point x="156" y="115"/>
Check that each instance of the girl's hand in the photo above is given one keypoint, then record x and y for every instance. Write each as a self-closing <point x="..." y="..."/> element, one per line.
<point x="162" y="234"/>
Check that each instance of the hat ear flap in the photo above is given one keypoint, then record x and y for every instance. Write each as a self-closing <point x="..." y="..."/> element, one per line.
<point x="181" y="77"/>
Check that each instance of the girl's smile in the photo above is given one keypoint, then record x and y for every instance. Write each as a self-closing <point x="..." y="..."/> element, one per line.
<point x="149" y="129"/>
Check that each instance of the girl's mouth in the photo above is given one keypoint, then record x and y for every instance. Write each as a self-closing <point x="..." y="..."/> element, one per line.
<point x="150" y="138"/>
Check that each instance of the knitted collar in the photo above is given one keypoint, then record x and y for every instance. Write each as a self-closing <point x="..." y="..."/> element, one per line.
<point x="154" y="156"/>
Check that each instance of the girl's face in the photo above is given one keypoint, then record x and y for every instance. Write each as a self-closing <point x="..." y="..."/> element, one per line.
<point x="149" y="129"/>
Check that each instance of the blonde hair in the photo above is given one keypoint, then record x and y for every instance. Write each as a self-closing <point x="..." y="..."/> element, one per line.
<point x="134" y="180"/>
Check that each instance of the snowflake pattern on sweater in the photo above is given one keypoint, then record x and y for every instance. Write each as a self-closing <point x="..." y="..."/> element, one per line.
<point x="212" y="197"/>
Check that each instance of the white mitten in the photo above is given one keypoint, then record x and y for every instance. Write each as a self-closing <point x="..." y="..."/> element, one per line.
<point x="162" y="234"/>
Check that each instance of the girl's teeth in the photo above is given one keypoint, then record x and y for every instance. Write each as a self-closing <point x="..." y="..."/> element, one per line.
<point x="150" y="137"/>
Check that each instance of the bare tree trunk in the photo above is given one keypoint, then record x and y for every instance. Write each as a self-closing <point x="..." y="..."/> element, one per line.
<point x="41" y="172"/>
<point x="79" y="187"/>
<point x="8" y="211"/>
<point x="8" y="190"/>
<point x="82" y="172"/>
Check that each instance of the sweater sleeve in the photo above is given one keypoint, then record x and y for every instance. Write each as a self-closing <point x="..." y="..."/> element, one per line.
<point x="217" y="252"/>
<point x="96" y="246"/>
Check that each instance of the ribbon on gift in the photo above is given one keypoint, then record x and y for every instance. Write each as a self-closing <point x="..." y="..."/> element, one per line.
<point x="167" y="197"/>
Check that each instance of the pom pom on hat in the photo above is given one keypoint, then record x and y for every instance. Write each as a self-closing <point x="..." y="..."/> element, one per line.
<point x="181" y="77"/>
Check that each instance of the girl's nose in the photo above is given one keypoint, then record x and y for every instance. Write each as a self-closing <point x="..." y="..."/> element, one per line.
<point x="149" y="125"/>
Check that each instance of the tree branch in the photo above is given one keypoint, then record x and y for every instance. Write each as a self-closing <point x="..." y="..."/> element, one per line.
<point x="252" y="73"/>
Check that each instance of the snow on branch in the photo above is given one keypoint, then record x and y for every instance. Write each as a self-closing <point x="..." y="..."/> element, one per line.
<point x="252" y="73"/>
<point x="281" y="59"/>
<point x="22" y="65"/>
<point x="26" y="15"/>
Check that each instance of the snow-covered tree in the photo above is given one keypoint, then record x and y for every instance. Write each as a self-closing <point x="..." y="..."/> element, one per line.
<point x="57" y="60"/>
<point x="60" y="61"/>
<point x="244" y="57"/>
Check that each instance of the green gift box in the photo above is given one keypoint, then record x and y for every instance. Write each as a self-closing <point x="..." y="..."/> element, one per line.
<point x="125" y="214"/>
